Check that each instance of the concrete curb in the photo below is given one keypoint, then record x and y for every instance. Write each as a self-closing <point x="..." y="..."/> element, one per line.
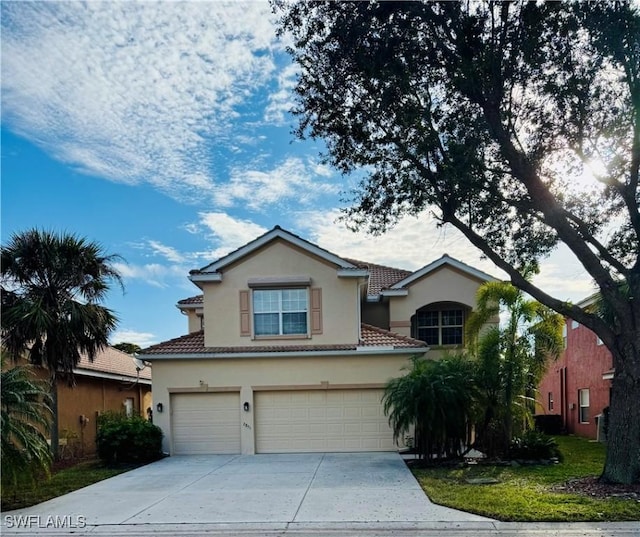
<point x="361" y="529"/>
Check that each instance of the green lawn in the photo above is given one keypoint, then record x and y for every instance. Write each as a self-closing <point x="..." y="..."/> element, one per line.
<point x="526" y="493"/>
<point x="61" y="482"/>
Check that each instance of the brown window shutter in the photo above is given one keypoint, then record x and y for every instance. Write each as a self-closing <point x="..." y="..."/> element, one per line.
<point x="245" y="317"/>
<point x="316" y="310"/>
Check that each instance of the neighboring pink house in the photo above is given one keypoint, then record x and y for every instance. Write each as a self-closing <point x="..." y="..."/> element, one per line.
<point x="577" y="386"/>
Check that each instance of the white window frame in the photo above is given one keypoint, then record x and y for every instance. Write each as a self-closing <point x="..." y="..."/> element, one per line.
<point x="440" y="326"/>
<point x="281" y="312"/>
<point x="583" y="405"/>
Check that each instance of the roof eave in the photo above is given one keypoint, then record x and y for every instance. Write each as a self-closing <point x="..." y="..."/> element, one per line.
<point x="358" y="351"/>
<point x="394" y="292"/>
<point x="353" y="273"/>
<point x="275" y="233"/>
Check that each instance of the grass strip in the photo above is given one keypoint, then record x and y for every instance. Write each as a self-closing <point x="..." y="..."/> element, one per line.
<point x="61" y="482"/>
<point x="529" y="493"/>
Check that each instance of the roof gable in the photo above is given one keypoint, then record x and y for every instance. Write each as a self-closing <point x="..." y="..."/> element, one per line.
<point x="445" y="260"/>
<point x="212" y="272"/>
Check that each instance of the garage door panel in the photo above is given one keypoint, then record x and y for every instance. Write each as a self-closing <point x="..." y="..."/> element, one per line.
<point x="321" y="420"/>
<point x="205" y="423"/>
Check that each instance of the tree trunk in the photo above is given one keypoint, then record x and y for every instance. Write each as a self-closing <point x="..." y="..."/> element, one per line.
<point x="622" y="463"/>
<point x="55" y="440"/>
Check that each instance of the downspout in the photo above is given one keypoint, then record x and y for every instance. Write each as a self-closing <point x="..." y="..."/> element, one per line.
<point x="359" y="309"/>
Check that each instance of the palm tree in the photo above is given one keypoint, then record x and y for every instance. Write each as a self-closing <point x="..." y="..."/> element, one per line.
<point x="24" y="419"/>
<point x="511" y="359"/>
<point x="52" y="287"/>
<point x="435" y="401"/>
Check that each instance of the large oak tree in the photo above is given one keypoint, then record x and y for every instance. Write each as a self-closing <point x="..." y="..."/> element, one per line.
<point x="484" y="113"/>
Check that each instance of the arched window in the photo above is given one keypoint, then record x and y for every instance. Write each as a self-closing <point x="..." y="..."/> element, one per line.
<point x="439" y="324"/>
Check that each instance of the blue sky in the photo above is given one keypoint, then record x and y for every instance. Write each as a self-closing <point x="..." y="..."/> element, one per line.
<point x="162" y="131"/>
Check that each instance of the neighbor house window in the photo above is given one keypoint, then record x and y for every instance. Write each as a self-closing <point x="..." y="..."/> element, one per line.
<point x="550" y="401"/>
<point x="440" y="327"/>
<point x="583" y="401"/>
<point x="128" y="406"/>
<point x="278" y="312"/>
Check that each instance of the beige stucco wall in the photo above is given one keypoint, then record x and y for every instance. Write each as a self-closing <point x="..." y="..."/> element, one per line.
<point x="194" y="320"/>
<point x="445" y="284"/>
<point x="340" y="301"/>
<point x="248" y="375"/>
<point x="376" y="313"/>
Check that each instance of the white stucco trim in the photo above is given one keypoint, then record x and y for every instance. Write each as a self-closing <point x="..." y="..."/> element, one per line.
<point x="208" y="277"/>
<point x="190" y="306"/>
<point x="353" y="273"/>
<point x="394" y="292"/>
<point x="359" y="351"/>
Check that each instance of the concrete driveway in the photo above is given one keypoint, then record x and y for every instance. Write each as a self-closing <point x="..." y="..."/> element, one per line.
<point x="269" y="491"/>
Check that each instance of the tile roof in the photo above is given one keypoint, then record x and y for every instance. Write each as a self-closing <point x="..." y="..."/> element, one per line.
<point x="194" y="344"/>
<point x="381" y="276"/>
<point x="115" y="362"/>
<point x="372" y="336"/>
<point x="191" y="300"/>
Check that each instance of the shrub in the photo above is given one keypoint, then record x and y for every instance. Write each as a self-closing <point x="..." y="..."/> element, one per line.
<point x="549" y="423"/>
<point x="127" y="439"/>
<point x="534" y="445"/>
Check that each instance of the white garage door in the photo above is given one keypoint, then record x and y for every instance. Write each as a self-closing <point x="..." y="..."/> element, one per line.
<point x="205" y="423"/>
<point x="321" y="420"/>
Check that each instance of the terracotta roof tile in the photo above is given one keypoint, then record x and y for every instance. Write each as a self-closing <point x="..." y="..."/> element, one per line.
<point x="381" y="276"/>
<point x="194" y="344"/>
<point x="113" y="361"/>
<point x="378" y="337"/>
<point x="198" y="299"/>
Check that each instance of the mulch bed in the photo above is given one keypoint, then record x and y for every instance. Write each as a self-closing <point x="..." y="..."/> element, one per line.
<point x="590" y="486"/>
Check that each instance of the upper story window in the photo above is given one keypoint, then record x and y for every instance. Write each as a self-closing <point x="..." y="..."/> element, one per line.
<point x="278" y="312"/>
<point x="440" y="327"/>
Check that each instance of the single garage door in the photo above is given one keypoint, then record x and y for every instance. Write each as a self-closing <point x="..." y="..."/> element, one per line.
<point x="321" y="420"/>
<point x="205" y="423"/>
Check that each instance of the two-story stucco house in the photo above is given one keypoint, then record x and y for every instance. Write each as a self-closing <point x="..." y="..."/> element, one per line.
<point x="290" y="346"/>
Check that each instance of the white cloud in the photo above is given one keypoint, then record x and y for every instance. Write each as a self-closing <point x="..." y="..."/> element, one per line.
<point x="282" y="101"/>
<point x="293" y="179"/>
<point x="153" y="274"/>
<point x="132" y="91"/>
<point x="168" y="252"/>
<point x="411" y="244"/>
<point x="144" y="339"/>
<point x="228" y="233"/>
<point x="416" y="241"/>
<point x="562" y="276"/>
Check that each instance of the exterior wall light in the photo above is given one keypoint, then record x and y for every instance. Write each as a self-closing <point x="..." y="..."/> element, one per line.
<point x="246" y="406"/>
<point x="159" y="407"/>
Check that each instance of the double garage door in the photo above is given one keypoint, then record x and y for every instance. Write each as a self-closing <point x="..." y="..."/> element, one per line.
<point x="285" y="421"/>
